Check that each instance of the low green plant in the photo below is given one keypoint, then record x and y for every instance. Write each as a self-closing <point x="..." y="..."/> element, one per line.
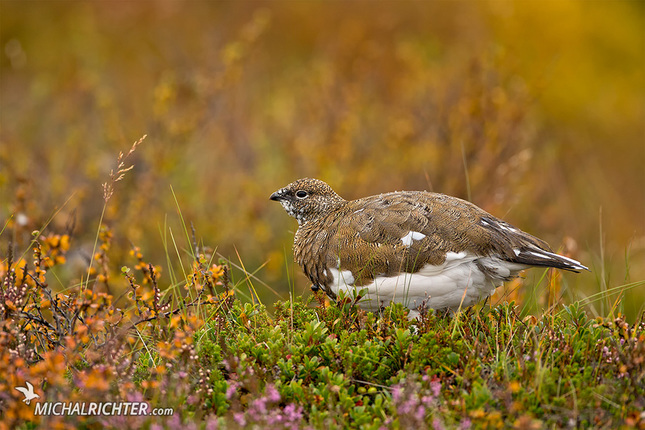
<point x="200" y="346"/>
<point x="217" y="360"/>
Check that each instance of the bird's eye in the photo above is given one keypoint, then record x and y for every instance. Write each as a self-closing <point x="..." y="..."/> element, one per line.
<point x="301" y="194"/>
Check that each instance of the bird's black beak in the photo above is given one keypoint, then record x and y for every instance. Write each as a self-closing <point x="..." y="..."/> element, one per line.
<point x="276" y="197"/>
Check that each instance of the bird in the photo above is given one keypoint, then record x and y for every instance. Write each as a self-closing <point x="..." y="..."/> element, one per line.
<point x="28" y="393"/>
<point x="418" y="248"/>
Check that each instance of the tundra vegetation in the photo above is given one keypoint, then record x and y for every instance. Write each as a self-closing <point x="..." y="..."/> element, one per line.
<point x="172" y="282"/>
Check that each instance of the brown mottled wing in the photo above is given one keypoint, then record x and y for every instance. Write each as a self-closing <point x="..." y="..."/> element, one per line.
<point x="368" y="238"/>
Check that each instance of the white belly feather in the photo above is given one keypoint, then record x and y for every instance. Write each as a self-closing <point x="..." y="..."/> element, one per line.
<point x="458" y="282"/>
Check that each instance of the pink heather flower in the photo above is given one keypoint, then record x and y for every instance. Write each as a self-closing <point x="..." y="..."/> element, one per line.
<point x="212" y="423"/>
<point x="291" y="413"/>
<point x="420" y="413"/>
<point x="274" y="418"/>
<point x="232" y="388"/>
<point x="239" y="418"/>
<point x="465" y="424"/>
<point x="261" y="405"/>
<point x="427" y="400"/>
<point x="435" y="386"/>
<point x="258" y="408"/>
<point x="436" y="424"/>
<point x="407" y="407"/>
<point x="174" y="422"/>
<point x="272" y="394"/>
<point x="135" y="397"/>
<point x="397" y="392"/>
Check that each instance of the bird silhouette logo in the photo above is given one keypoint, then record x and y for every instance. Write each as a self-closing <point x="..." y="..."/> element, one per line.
<point x="28" y="393"/>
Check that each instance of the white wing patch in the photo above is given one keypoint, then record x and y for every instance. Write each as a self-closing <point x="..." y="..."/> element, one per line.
<point x="456" y="256"/>
<point x="341" y="278"/>
<point x="411" y="236"/>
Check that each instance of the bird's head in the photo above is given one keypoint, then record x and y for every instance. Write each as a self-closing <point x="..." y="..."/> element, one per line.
<point x="307" y="199"/>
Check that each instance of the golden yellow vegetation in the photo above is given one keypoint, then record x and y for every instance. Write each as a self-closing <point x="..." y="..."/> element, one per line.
<point x="533" y="110"/>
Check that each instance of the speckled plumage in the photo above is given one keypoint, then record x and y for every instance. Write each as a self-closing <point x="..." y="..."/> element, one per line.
<point x="409" y="246"/>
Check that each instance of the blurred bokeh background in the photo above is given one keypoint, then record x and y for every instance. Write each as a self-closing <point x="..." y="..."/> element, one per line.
<point x="532" y="110"/>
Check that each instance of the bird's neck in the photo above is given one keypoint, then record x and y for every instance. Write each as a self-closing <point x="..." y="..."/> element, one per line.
<point x="331" y="207"/>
